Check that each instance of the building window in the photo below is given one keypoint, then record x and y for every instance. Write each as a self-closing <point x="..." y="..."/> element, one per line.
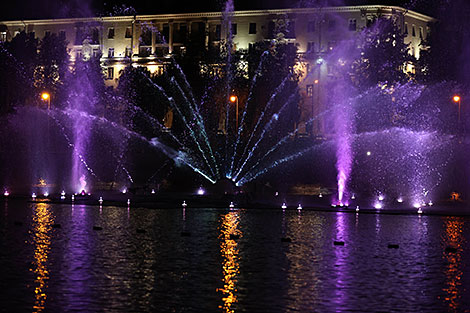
<point x="96" y="53"/>
<point x="252" y="29"/>
<point x="47" y="33"/>
<point x="79" y="55"/>
<point x="310" y="46"/>
<point x="217" y="32"/>
<point x="311" y="27"/>
<point x="111" y="33"/>
<point x="309" y="90"/>
<point x="128" y="32"/>
<point x="110" y="72"/>
<point x="421" y="33"/>
<point x="331" y="25"/>
<point x="291" y="29"/>
<point x="406" y="28"/>
<point x="352" y="25"/>
<point x="3" y="36"/>
<point x="413" y="31"/>
<point x="234" y="29"/>
<point x="128" y="52"/>
<point x="62" y="34"/>
<point x="111" y="53"/>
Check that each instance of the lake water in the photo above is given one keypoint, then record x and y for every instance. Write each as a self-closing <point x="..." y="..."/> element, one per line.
<point x="229" y="261"/>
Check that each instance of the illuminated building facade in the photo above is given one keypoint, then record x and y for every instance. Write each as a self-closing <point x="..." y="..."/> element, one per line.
<point x="148" y="40"/>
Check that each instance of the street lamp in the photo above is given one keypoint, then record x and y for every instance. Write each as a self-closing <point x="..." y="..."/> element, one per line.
<point x="234" y="99"/>
<point x="457" y="99"/>
<point x="45" y="96"/>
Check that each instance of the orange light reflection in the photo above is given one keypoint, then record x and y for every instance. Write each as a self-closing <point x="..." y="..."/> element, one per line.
<point x="453" y="272"/>
<point x="230" y="265"/>
<point x="42" y="225"/>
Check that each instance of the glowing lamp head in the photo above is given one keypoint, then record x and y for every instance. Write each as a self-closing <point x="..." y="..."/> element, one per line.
<point x="368" y="153"/>
<point x="456" y="98"/>
<point x="45" y="96"/>
<point x="201" y="191"/>
<point x="378" y="205"/>
<point x="233" y="99"/>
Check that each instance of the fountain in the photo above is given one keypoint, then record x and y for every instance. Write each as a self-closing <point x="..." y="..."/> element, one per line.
<point x="386" y="144"/>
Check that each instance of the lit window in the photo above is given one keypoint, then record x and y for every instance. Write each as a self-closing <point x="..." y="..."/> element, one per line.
<point x="110" y="72"/>
<point x="111" y="53"/>
<point x="111" y="33"/>
<point x="3" y="36"/>
<point x="128" y="52"/>
<point x="252" y="29"/>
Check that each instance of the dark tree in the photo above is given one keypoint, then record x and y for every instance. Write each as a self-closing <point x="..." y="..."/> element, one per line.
<point x="383" y="55"/>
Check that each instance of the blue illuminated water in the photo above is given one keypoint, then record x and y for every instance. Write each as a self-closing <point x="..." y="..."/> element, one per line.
<point x="140" y="261"/>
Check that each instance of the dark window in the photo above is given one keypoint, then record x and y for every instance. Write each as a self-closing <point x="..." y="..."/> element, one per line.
<point x="421" y="34"/>
<point x="290" y="29"/>
<point x="217" y="32"/>
<point x="146" y="37"/>
<point x="311" y="27"/>
<point x="252" y="28"/>
<point x="111" y="53"/>
<point x="166" y="32"/>
<point x="128" y="52"/>
<point x="62" y="34"/>
<point x="406" y="28"/>
<point x="331" y="25"/>
<point x="111" y="33"/>
<point x="96" y="53"/>
<point x="95" y="36"/>
<point x="110" y="72"/>
<point x="352" y="25"/>
<point x="183" y="31"/>
<point x="47" y="33"/>
<point x="234" y="29"/>
<point x="129" y="32"/>
<point x="413" y="31"/>
<point x="309" y="90"/>
<point x="310" y="46"/>
<point x="271" y="29"/>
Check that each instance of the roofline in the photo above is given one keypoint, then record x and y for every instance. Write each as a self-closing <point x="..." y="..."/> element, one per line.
<point x="183" y="16"/>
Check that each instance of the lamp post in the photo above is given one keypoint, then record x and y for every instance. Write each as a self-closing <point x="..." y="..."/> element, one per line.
<point x="45" y="96"/>
<point x="234" y="99"/>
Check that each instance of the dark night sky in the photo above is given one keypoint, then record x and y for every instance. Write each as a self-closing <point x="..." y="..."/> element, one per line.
<point x="30" y="9"/>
